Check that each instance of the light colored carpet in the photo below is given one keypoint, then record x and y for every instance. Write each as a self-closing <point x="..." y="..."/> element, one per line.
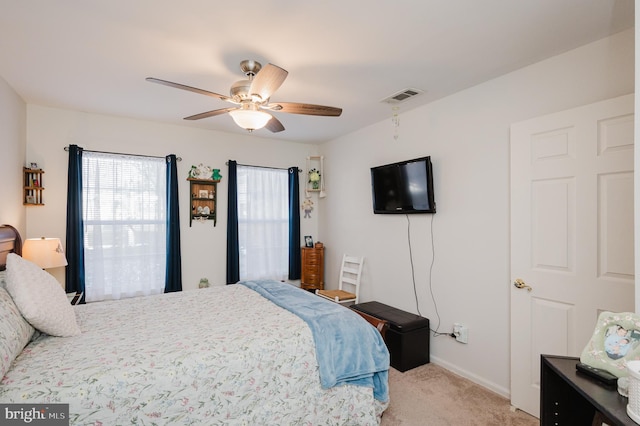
<point x="430" y="395"/>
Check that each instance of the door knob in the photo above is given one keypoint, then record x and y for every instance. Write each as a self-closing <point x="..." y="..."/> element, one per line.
<point x="519" y="283"/>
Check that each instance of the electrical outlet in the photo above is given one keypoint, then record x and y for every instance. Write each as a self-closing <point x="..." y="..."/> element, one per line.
<point x="461" y="332"/>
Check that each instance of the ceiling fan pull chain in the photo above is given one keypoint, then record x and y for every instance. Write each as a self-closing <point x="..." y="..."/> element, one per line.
<point x="395" y="119"/>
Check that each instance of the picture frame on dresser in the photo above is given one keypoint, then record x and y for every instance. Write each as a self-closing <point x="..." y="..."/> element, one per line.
<point x="615" y="341"/>
<point x="308" y="241"/>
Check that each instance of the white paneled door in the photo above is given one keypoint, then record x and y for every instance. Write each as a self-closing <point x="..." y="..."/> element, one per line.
<point x="571" y="234"/>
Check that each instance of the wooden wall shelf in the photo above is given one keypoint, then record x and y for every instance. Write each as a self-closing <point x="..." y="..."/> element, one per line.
<point x="203" y="200"/>
<point x="32" y="187"/>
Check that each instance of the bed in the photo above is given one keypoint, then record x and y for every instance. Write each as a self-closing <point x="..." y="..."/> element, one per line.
<point x="254" y="353"/>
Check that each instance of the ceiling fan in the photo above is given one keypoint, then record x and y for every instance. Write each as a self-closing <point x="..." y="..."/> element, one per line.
<point x="252" y="97"/>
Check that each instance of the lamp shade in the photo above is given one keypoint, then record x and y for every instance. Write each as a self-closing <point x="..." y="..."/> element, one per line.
<point x="250" y="119"/>
<point x="44" y="252"/>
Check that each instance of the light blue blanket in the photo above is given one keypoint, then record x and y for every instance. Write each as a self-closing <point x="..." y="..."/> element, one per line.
<point x="348" y="349"/>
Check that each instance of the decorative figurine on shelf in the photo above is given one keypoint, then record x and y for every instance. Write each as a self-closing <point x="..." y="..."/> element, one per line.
<point x="314" y="178"/>
<point x="216" y="174"/>
<point x="204" y="283"/>
<point x="307" y="206"/>
<point x="200" y="172"/>
<point x="205" y="171"/>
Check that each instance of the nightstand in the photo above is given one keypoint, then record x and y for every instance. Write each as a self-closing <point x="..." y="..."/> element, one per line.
<point x="312" y="273"/>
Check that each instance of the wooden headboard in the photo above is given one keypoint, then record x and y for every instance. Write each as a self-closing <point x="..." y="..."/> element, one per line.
<point x="10" y="242"/>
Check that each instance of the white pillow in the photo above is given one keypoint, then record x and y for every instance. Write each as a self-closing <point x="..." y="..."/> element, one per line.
<point x="15" y="331"/>
<point x="40" y="298"/>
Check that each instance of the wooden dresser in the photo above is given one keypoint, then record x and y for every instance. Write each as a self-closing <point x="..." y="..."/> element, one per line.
<point x="312" y="276"/>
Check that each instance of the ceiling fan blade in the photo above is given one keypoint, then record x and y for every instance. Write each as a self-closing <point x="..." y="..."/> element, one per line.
<point x="274" y="125"/>
<point x="189" y="88"/>
<point x="306" y="109"/>
<point x="209" y="114"/>
<point x="267" y="81"/>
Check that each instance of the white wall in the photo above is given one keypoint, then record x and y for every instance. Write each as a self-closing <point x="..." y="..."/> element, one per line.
<point x="13" y="119"/>
<point x="467" y="136"/>
<point x="49" y="130"/>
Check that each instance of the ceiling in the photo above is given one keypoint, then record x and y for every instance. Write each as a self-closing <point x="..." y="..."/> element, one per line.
<point x="94" y="55"/>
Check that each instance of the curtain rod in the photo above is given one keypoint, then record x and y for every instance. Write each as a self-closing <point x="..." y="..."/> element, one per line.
<point x="262" y="167"/>
<point x="66" y="148"/>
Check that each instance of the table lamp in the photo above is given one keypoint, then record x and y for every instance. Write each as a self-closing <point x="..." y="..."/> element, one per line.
<point x="44" y="252"/>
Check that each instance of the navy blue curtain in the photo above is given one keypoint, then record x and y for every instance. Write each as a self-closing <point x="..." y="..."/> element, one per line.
<point x="233" y="246"/>
<point x="74" y="271"/>
<point x="173" y="274"/>
<point x="294" y="224"/>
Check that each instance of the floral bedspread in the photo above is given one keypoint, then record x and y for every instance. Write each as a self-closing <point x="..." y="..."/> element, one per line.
<point x="215" y="356"/>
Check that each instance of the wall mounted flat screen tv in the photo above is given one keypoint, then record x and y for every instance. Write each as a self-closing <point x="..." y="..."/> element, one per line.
<point x="403" y="187"/>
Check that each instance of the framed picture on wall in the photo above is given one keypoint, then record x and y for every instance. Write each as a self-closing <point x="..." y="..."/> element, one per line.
<point x="203" y="193"/>
<point x="308" y="241"/>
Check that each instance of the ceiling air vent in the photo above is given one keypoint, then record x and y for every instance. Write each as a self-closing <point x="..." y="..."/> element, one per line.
<point x="402" y="96"/>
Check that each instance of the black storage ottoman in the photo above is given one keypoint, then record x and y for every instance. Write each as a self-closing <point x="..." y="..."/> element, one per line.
<point x="407" y="337"/>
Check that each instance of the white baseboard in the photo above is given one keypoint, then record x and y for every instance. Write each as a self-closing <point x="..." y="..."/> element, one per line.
<point x="500" y="390"/>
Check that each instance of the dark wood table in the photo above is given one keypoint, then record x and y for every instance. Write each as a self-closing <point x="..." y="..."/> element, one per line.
<point x="571" y="398"/>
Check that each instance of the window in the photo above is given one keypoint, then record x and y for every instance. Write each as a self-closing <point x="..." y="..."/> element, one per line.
<point x="263" y="223"/>
<point x="124" y="211"/>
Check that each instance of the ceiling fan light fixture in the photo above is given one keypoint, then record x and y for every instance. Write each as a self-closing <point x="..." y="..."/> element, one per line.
<point x="251" y="95"/>
<point x="250" y="119"/>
